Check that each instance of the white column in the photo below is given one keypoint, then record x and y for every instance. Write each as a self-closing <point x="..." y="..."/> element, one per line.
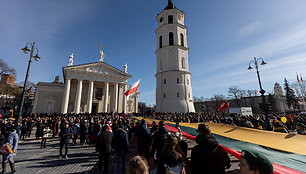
<point x="106" y="97"/>
<point x="124" y="98"/>
<point x="136" y="103"/>
<point x="115" y="97"/>
<point x="89" y="97"/>
<point x="78" y="97"/>
<point x="35" y="102"/>
<point x="66" y="96"/>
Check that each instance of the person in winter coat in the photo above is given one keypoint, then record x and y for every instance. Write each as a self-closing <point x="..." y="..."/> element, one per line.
<point x="23" y="129"/>
<point x="45" y="136"/>
<point x="169" y="157"/>
<point x="105" y="147"/>
<point x="30" y="125"/>
<point x="208" y="156"/>
<point x="65" y="135"/>
<point x="158" y="140"/>
<point x="76" y="131"/>
<point x="144" y="140"/>
<point x="120" y="144"/>
<point x="84" y="133"/>
<point x="12" y="140"/>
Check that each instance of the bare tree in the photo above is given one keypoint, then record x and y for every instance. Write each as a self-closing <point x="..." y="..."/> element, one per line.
<point x="235" y="93"/>
<point x="141" y="106"/>
<point x="4" y="68"/>
<point x="9" y="93"/>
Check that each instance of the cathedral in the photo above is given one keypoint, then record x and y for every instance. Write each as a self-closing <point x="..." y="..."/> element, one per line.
<point x="88" y="88"/>
<point x="173" y="79"/>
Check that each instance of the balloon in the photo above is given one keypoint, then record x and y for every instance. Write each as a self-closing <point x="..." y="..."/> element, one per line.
<point x="284" y="119"/>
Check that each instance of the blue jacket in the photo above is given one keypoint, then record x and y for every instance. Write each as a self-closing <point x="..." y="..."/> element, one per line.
<point x="12" y="140"/>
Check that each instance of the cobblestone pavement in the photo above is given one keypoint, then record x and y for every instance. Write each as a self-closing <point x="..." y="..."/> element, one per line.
<point x="31" y="159"/>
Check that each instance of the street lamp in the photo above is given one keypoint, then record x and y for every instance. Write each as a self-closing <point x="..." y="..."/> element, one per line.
<point x="36" y="57"/>
<point x="262" y="91"/>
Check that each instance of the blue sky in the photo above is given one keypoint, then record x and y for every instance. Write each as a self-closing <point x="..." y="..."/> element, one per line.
<point x="223" y="36"/>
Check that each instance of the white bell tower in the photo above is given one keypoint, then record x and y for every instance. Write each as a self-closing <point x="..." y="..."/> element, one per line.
<point x="173" y="83"/>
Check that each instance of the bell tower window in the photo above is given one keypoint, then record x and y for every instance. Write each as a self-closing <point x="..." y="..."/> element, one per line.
<point x="170" y="19"/>
<point x="160" y="41"/>
<point x="182" y="39"/>
<point x="183" y="63"/>
<point x="171" y="40"/>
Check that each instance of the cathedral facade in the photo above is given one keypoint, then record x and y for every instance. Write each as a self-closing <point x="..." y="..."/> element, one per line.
<point x="88" y="88"/>
<point x="173" y="79"/>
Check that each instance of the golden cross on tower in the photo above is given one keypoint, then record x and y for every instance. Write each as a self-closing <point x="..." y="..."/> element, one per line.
<point x="100" y="46"/>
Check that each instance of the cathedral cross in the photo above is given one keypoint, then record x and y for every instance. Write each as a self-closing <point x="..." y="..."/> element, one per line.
<point x="100" y="46"/>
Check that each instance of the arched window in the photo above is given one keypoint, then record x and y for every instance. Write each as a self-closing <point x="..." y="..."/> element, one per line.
<point x="178" y="94"/>
<point x="165" y="81"/>
<point x="170" y="19"/>
<point x="182" y="39"/>
<point x="171" y="40"/>
<point x="160" y="41"/>
<point x="187" y="81"/>
<point x="160" y="64"/>
<point x="178" y="80"/>
<point x="164" y="95"/>
<point x="183" y="63"/>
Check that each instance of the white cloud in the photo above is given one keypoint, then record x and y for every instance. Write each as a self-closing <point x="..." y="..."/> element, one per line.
<point x="250" y="28"/>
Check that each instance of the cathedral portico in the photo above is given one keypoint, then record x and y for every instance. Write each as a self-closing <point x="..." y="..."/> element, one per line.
<point x="88" y="88"/>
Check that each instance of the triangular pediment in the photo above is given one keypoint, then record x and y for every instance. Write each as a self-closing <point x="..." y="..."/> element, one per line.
<point x="96" y="68"/>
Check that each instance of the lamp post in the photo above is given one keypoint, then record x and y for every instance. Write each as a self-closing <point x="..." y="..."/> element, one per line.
<point x="262" y="91"/>
<point x="36" y="57"/>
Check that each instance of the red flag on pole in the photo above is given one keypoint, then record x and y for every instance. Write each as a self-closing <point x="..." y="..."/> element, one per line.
<point x="222" y="106"/>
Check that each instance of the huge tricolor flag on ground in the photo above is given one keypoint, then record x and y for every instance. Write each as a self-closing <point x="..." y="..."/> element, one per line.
<point x="131" y="89"/>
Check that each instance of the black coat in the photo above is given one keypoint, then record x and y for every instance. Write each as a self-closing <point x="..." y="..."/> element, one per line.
<point x="120" y="141"/>
<point x="144" y="137"/>
<point x="66" y="133"/>
<point x="208" y="156"/>
<point x="158" y="141"/>
<point x="105" y="142"/>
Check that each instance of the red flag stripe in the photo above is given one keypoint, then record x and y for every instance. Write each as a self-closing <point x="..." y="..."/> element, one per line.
<point x="131" y="91"/>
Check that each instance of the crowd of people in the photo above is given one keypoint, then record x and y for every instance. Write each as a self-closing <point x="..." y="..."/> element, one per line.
<point x="294" y="123"/>
<point x="159" y="151"/>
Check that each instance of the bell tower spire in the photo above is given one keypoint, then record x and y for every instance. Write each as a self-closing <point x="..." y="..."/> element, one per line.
<point x="170" y="5"/>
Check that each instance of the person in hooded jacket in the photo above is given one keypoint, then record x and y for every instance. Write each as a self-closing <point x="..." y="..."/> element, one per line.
<point x="208" y="156"/>
<point x="11" y="138"/>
